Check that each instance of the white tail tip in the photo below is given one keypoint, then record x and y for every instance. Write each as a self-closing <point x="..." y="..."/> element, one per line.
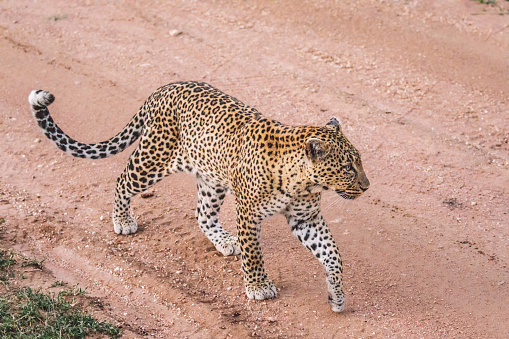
<point x="40" y="98"/>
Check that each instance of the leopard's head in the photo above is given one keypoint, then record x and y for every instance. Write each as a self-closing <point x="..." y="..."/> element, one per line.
<point x="334" y="163"/>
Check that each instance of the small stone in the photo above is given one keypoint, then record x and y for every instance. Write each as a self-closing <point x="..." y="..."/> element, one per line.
<point x="147" y="195"/>
<point x="175" y="32"/>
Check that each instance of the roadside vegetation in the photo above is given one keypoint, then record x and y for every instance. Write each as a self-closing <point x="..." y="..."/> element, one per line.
<point x="28" y="312"/>
<point x="495" y="3"/>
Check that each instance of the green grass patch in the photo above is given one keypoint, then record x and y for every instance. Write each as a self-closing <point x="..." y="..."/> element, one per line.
<point x="6" y="260"/>
<point x="34" y="313"/>
<point x="30" y="313"/>
<point x="59" y="283"/>
<point x="32" y="262"/>
<point x="493" y="3"/>
<point x="57" y="17"/>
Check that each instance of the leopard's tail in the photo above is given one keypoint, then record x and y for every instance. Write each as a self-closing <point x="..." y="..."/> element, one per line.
<point x="39" y="102"/>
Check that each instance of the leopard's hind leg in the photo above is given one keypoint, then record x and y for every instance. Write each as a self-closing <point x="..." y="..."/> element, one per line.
<point x="148" y="164"/>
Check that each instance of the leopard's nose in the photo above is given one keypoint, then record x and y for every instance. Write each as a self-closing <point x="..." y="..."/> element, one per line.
<point x="364" y="184"/>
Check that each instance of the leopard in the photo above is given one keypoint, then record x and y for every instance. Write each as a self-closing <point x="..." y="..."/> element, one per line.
<point x="230" y="147"/>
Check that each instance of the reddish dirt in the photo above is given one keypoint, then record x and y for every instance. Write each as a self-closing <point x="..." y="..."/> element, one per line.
<point x="421" y="88"/>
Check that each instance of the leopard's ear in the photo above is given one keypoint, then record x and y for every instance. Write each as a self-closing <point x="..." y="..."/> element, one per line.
<point x="334" y="123"/>
<point x="316" y="149"/>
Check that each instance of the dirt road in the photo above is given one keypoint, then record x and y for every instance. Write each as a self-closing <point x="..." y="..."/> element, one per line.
<point x="421" y="88"/>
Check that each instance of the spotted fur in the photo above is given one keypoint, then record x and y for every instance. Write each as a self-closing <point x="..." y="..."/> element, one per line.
<point x="270" y="167"/>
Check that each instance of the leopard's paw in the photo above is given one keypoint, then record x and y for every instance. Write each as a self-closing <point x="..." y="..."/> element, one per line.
<point x="261" y="290"/>
<point x="335" y="292"/>
<point x="337" y="303"/>
<point x="228" y="245"/>
<point x="125" y="225"/>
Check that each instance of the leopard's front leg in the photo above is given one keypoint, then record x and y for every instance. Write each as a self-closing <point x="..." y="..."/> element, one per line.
<point x="258" y="286"/>
<point x="308" y="226"/>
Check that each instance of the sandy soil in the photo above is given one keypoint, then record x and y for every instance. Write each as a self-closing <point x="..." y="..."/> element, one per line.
<point x="421" y="88"/>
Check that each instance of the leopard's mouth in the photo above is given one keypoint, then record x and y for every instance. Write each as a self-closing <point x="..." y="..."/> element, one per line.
<point x="345" y="195"/>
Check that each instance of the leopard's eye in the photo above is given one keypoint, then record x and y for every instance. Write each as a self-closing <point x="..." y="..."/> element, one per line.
<point x="347" y="167"/>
